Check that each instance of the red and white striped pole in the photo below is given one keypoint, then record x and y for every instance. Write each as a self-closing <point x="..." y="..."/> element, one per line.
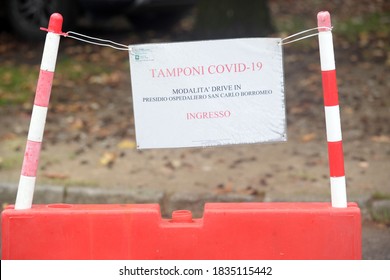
<point x="332" y="112"/>
<point x="38" y="118"/>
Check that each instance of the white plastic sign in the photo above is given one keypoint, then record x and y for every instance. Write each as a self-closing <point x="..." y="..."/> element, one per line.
<point x="208" y="93"/>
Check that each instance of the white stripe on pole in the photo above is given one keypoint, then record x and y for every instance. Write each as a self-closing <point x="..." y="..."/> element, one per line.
<point x="25" y="192"/>
<point x="333" y="123"/>
<point x="338" y="192"/>
<point x="37" y="125"/>
<point x="50" y="51"/>
<point x="326" y="51"/>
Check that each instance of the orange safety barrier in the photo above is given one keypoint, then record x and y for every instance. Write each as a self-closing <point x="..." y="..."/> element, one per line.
<point x="226" y="231"/>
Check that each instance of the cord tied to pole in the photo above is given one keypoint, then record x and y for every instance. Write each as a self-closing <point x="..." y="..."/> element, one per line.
<point x="287" y="40"/>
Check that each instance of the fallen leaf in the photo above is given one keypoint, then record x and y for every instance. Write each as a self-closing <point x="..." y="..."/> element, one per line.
<point x="108" y="159"/>
<point x="77" y="124"/>
<point x="207" y="168"/>
<point x="364" y="164"/>
<point x="349" y="110"/>
<point x="8" y="136"/>
<point x="241" y="161"/>
<point x="176" y="163"/>
<point x="309" y="137"/>
<point x="224" y="188"/>
<point x="98" y="79"/>
<point x="364" y="39"/>
<point x="297" y="110"/>
<point x="102" y="79"/>
<point x="173" y="164"/>
<point x="59" y="176"/>
<point x="249" y="190"/>
<point x="127" y="144"/>
<point x="263" y="182"/>
<point x="94" y="106"/>
<point x="381" y="139"/>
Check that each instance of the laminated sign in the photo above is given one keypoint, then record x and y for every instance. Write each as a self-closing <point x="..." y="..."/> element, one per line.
<point x="208" y="93"/>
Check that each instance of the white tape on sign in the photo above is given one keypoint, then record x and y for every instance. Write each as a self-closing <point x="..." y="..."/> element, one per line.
<point x="208" y="93"/>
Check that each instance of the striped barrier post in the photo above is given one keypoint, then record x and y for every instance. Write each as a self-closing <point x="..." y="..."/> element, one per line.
<point x="332" y="112"/>
<point x="38" y="118"/>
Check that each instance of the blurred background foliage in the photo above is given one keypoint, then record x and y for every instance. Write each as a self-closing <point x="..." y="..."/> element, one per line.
<point x="360" y="27"/>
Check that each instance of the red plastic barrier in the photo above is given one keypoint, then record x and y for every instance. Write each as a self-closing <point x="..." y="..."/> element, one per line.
<point x="226" y="231"/>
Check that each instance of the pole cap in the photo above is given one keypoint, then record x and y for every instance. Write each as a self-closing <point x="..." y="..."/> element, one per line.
<point x="323" y="20"/>
<point x="55" y="24"/>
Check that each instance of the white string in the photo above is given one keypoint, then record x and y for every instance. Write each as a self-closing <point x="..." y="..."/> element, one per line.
<point x="282" y="42"/>
<point x="121" y="47"/>
<point x="95" y="41"/>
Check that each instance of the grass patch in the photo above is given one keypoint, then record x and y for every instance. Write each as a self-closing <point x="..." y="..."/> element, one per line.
<point x="17" y="84"/>
<point x="291" y="25"/>
<point x="375" y="24"/>
<point x="380" y="213"/>
<point x="353" y="30"/>
<point x="76" y="70"/>
<point x="11" y="162"/>
<point x="380" y="196"/>
<point x="379" y="206"/>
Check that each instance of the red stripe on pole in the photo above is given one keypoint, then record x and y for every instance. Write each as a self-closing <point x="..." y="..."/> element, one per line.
<point x="336" y="159"/>
<point x="329" y="85"/>
<point x="42" y="95"/>
<point x="31" y="158"/>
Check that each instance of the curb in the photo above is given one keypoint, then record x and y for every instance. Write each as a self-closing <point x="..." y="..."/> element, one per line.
<point x="93" y="195"/>
<point x="168" y="201"/>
